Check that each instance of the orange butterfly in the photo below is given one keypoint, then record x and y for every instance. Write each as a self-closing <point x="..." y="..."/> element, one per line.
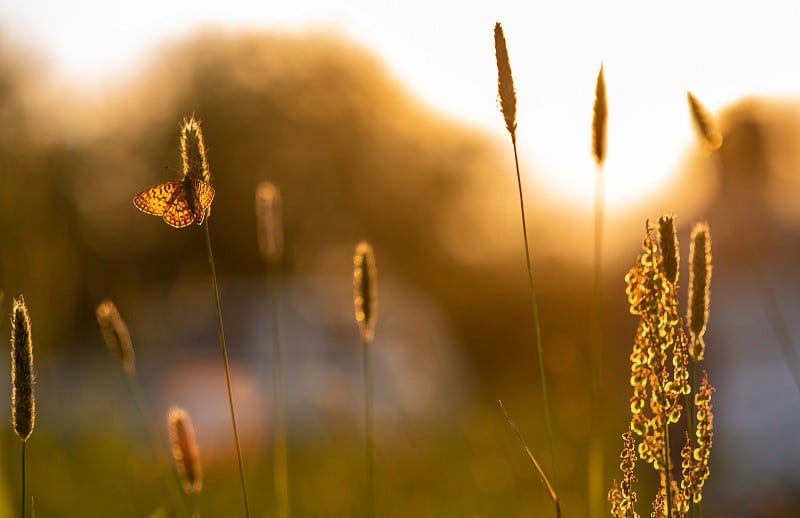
<point x="180" y="203"/>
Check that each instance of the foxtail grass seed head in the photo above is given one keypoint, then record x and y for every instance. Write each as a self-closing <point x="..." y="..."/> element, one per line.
<point x="185" y="450"/>
<point x="699" y="288"/>
<point x="365" y="289"/>
<point x="23" y="405"/>
<point x="505" y="82"/>
<point x="116" y="335"/>
<point x="599" y="119"/>
<point x="668" y="239"/>
<point x="704" y="123"/>
<point x="270" y="221"/>
<point x="193" y="151"/>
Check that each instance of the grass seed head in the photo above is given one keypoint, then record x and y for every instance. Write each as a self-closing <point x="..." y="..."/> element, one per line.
<point x="269" y="220"/>
<point x="23" y="405"/>
<point x="193" y="151"/>
<point x="668" y="240"/>
<point x="505" y="82"/>
<point x="185" y="450"/>
<point x="116" y="335"/>
<point x="599" y="119"/>
<point x="704" y="123"/>
<point x="365" y="289"/>
<point x="699" y="287"/>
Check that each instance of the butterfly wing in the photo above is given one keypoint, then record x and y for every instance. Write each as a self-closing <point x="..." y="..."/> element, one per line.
<point x="155" y="200"/>
<point x="179" y="212"/>
<point x="203" y="196"/>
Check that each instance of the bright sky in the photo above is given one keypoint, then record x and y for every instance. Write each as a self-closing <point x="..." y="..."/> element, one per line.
<point x="443" y="50"/>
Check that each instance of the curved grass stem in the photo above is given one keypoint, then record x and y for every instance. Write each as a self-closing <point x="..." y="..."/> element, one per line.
<point x="224" y="349"/>
<point x="535" y="311"/>
<point x="369" y="428"/>
<point x="596" y="449"/>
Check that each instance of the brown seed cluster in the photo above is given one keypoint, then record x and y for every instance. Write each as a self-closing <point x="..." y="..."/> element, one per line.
<point x="23" y="403"/>
<point x="623" y="497"/>
<point x="193" y="151"/>
<point x="505" y="82"/>
<point x="365" y="290"/>
<point x="185" y="450"/>
<point x="270" y="222"/>
<point x="699" y="288"/>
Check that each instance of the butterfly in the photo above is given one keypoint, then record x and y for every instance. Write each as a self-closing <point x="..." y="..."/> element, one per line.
<point x="180" y="203"/>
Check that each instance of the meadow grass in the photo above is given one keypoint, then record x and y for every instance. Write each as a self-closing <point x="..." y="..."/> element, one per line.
<point x="665" y="358"/>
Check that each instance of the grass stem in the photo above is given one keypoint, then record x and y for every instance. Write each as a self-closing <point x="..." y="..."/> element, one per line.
<point x="22" y="505"/>
<point x="369" y="428"/>
<point x="596" y="449"/>
<point x="542" y="476"/>
<point x="535" y="311"/>
<point x="224" y="350"/>
<point x="280" y="477"/>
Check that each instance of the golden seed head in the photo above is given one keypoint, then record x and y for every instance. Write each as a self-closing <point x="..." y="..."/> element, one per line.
<point x="668" y="239"/>
<point x="269" y="220"/>
<point x="699" y="287"/>
<point x="185" y="450"/>
<point x="704" y="123"/>
<point x="23" y="404"/>
<point x="116" y="335"/>
<point x="365" y="288"/>
<point x="193" y="151"/>
<point x="599" y="119"/>
<point x="505" y="82"/>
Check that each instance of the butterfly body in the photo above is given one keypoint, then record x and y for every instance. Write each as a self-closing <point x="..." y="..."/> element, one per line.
<point x="180" y="203"/>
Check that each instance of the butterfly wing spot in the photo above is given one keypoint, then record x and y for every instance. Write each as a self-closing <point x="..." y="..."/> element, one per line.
<point x="155" y="200"/>
<point x="203" y="196"/>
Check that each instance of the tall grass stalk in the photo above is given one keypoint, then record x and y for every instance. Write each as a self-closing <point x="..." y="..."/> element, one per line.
<point x="23" y="402"/>
<point x="596" y="448"/>
<point x="224" y="350"/>
<point x="365" y="301"/>
<point x="270" y="242"/>
<point x="508" y="105"/>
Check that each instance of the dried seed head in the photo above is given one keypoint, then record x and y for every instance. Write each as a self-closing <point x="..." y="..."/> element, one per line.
<point x="599" y="119"/>
<point x="505" y="82"/>
<point x="704" y="123"/>
<point x="699" y="287"/>
<point x="193" y="151"/>
<point x="668" y="240"/>
<point x="270" y="221"/>
<point x="23" y="405"/>
<point x="116" y="335"/>
<point x="365" y="288"/>
<point x="185" y="450"/>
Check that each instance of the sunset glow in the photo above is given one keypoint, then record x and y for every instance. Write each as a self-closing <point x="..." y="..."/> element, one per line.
<point x="443" y="52"/>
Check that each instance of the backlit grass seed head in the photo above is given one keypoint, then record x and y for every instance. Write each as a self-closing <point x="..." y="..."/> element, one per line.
<point x="699" y="287"/>
<point x="269" y="220"/>
<point x="668" y="240"/>
<point x="116" y="335"/>
<point x="704" y="123"/>
<point x="599" y="119"/>
<point x="505" y="82"/>
<point x="365" y="289"/>
<point x="193" y="151"/>
<point x="23" y="405"/>
<point x="185" y="450"/>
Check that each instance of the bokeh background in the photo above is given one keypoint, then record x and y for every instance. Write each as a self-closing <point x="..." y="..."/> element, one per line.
<point x="358" y="154"/>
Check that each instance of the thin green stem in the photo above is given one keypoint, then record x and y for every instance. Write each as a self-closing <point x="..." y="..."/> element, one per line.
<point x="535" y="311"/>
<point x="170" y="480"/>
<point x="224" y="350"/>
<point x="542" y="476"/>
<point x="280" y="441"/>
<point x="368" y="426"/>
<point x="596" y="450"/>
<point x="22" y="506"/>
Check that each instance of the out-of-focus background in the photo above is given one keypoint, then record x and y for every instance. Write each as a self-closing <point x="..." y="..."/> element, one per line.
<point x="380" y="123"/>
